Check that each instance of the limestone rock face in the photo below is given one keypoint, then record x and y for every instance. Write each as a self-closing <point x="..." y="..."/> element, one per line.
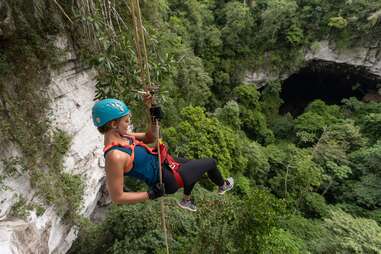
<point x="366" y="58"/>
<point x="259" y="78"/>
<point x="71" y="91"/>
<point x="16" y="231"/>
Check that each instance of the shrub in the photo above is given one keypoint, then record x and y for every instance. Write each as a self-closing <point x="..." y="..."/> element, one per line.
<point x="280" y="241"/>
<point x="338" y="22"/>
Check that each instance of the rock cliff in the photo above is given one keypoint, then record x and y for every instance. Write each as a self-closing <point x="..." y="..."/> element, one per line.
<point x="71" y="92"/>
<point x="367" y="59"/>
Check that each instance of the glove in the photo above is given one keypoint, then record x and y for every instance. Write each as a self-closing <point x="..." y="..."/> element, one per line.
<point x="156" y="191"/>
<point x="156" y="113"/>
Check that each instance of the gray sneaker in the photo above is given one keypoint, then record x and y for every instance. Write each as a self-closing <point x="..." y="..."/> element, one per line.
<point x="228" y="185"/>
<point x="187" y="204"/>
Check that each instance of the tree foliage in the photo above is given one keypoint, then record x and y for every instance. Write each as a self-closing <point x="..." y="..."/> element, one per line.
<point x="218" y="141"/>
<point x="353" y="235"/>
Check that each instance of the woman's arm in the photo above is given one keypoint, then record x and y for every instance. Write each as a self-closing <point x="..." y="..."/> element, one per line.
<point x="115" y="162"/>
<point x="150" y="135"/>
<point x="147" y="137"/>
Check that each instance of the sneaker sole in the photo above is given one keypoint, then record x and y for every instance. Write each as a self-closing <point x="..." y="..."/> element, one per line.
<point x="223" y="192"/>
<point x="187" y="208"/>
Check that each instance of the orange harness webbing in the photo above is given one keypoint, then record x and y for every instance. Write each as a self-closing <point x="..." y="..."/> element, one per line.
<point x="166" y="158"/>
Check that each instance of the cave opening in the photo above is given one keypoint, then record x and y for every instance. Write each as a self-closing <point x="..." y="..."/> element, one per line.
<point x="327" y="81"/>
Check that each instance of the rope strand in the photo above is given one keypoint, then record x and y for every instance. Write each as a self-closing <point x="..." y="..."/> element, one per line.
<point x="142" y="59"/>
<point x="162" y="207"/>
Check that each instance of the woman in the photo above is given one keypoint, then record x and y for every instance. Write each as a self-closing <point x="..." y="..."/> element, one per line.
<point x="126" y="153"/>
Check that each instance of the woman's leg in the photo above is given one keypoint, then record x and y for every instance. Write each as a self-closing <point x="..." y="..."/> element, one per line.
<point x="180" y="160"/>
<point x="169" y="181"/>
<point x="191" y="171"/>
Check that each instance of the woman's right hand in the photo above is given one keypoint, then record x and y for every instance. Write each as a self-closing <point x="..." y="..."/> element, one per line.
<point x="156" y="191"/>
<point x="148" y="99"/>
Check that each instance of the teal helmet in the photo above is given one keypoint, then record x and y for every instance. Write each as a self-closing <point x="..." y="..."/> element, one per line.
<point x="107" y="110"/>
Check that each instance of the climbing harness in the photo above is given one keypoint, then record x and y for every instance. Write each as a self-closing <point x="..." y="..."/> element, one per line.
<point x="142" y="59"/>
<point x="165" y="157"/>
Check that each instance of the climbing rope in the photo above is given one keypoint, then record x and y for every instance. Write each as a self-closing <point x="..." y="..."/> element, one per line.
<point x="142" y="60"/>
<point x="140" y="45"/>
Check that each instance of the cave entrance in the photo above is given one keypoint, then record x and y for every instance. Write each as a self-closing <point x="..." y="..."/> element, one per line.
<point x="327" y="81"/>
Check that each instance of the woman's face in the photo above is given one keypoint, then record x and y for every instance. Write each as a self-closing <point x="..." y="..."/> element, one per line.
<point x="123" y="125"/>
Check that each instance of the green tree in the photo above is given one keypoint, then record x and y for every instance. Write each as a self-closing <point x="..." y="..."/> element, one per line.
<point x="258" y="166"/>
<point x="371" y="125"/>
<point x="229" y="115"/>
<point x="310" y="231"/>
<point x="310" y="125"/>
<point x="295" y="171"/>
<point x="314" y="205"/>
<point x="366" y="192"/>
<point x="365" y="115"/>
<point x="332" y="152"/>
<point x="353" y="235"/>
<point x="237" y="21"/>
<point x="363" y="188"/>
<point x="278" y="16"/>
<point x="367" y="159"/>
<point x="253" y="120"/>
<point x="258" y="217"/>
<point x="199" y="136"/>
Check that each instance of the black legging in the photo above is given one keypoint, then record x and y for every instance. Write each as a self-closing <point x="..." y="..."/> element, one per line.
<point x="191" y="171"/>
